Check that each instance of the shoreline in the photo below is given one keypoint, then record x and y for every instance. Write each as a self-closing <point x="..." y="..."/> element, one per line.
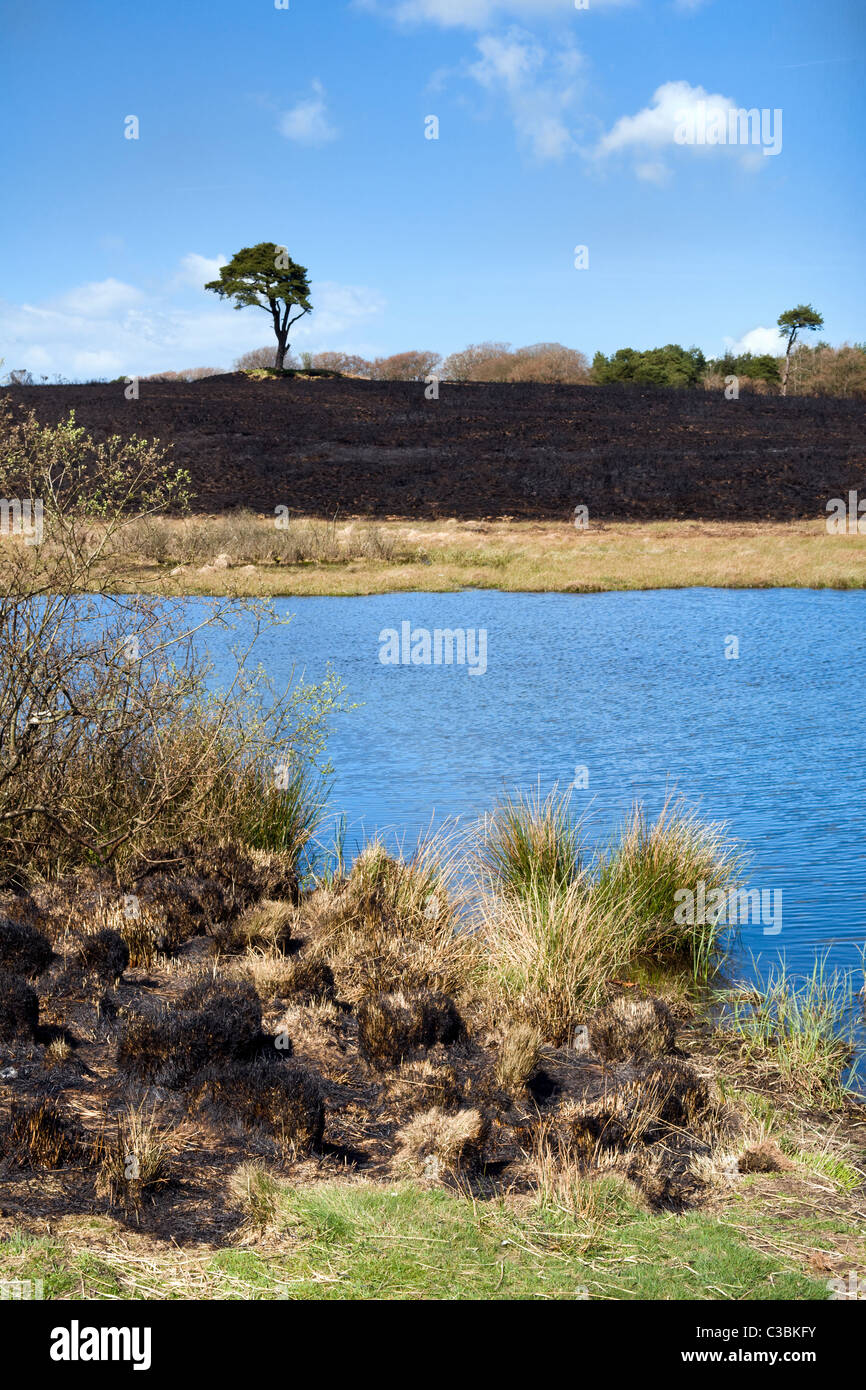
<point x="364" y="556"/>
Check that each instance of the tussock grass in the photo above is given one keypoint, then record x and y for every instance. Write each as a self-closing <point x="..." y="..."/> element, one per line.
<point x="549" y="953"/>
<point x="396" y="924"/>
<point x="519" y="1055"/>
<point x="649" y="864"/>
<point x="136" y="1159"/>
<point x="257" y="1192"/>
<point x="556" y="930"/>
<point x="528" y="843"/>
<point x="439" y="1142"/>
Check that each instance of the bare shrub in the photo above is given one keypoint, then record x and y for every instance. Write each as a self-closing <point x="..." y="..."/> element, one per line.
<point x="112" y="733"/>
<point x="543" y="362"/>
<point x="405" y="366"/>
<point x="346" y="363"/>
<point x="186" y="374"/>
<point x="263" y="359"/>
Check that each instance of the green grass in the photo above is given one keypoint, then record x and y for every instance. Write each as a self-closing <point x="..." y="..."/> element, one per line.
<point x="339" y="1242"/>
<point x="557" y="929"/>
<point x="826" y="1165"/>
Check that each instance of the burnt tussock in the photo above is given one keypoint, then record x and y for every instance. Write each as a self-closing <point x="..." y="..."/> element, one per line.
<point x="393" y="1027"/>
<point x="483" y="449"/>
<point x="19" y="1008"/>
<point x="196" y="1062"/>
<point x="23" y="949"/>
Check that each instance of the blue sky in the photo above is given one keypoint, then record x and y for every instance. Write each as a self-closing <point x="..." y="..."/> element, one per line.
<point x="306" y="126"/>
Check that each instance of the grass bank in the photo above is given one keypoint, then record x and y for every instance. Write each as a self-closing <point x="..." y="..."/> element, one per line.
<point x="358" y="556"/>
<point x="342" y="1241"/>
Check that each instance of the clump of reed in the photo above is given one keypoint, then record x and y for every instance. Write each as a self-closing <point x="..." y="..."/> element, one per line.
<point x="136" y="1159"/>
<point x="550" y="953"/>
<point x="529" y="842"/>
<point x="648" y="865"/>
<point x="558" y="925"/>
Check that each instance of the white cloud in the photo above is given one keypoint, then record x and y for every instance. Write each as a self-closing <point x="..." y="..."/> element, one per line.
<point x="109" y="329"/>
<point x="338" y="310"/>
<point x="475" y="14"/>
<point x="538" y="89"/>
<point x="307" y="122"/>
<point x="196" y="270"/>
<point x="677" y="114"/>
<point x="757" y="341"/>
<point x="99" y="298"/>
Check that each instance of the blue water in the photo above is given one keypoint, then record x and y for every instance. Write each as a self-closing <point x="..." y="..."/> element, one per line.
<point x="636" y="688"/>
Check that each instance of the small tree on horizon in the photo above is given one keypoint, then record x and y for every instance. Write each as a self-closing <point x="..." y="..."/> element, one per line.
<point x="266" y="276"/>
<point x="790" y="323"/>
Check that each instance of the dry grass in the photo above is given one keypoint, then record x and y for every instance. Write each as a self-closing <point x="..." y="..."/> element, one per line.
<point x="267" y="926"/>
<point x="257" y="1192"/>
<point x="136" y="1159"/>
<point x="43" y="1136"/>
<point x="439" y="1142"/>
<point x="519" y="1055"/>
<point x="365" y="557"/>
<point x="395" y="925"/>
<point x="243" y="538"/>
<point x="551" y="952"/>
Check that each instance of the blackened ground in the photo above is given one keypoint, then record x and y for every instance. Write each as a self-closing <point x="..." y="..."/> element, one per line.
<point x="348" y="447"/>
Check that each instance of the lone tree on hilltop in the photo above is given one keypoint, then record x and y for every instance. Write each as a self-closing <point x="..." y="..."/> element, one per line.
<point x="266" y="276"/>
<point x="790" y="323"/>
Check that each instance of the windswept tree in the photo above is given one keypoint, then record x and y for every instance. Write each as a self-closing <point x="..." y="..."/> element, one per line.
<point x="266" y="276"/>
<point x="790" y="323"/>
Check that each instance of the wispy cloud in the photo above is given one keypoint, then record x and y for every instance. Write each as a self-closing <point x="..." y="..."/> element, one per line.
<point x="196" y="270"/>
<point x="539" y="88"/>
<point x="307" y="122"/>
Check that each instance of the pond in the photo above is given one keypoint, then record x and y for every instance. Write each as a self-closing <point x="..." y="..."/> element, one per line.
<point x="748" y="704"/>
